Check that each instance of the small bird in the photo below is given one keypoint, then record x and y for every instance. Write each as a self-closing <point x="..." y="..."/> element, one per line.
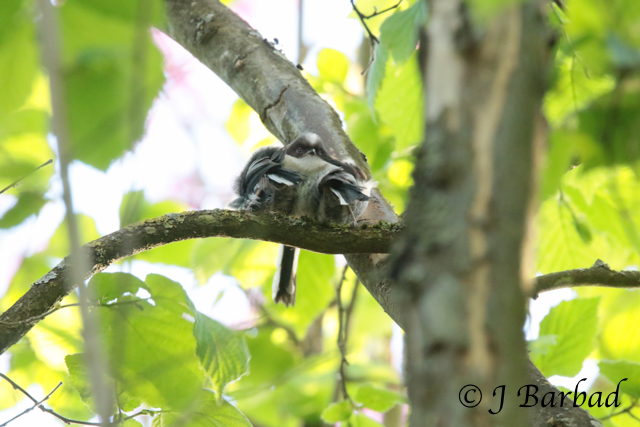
<point x="300" y="180"/>
<point x="264" y="184"/>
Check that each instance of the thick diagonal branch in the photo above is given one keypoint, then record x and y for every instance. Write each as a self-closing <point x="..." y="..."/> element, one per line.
<point x="285" y="101"/>
<point x="142" y="236"/>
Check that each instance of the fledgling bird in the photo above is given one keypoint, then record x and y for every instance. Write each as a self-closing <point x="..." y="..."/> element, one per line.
<point x="264" y="184"/>
<point x="301" y="180"/>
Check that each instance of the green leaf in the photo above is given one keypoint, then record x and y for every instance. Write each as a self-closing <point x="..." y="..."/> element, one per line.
<point x="129" y="11"/>
<point x="253" y="264"/>
<point x="212" y="255"/>
<point x="135" y="208"/>
<point x="79" y="380"/>
<point x="376" y="74"/>
<point x="238" y="122"/>
<point x="107" y="287"/>
<point x="207" y="412"/>
<point x="541" y="345"/>
<point x="151" y="345"/>
<point x="400" y="102"/>
<point x="314" y="291"/>
<point x="574" y="323"/>
<point x="59" y="243"/>
<point x="336" y="412"/>
<point x="333" y="65"/>
<point x="113" y="71"/>
<point x="28" y="204"/>
<point x="619" y="369"/>
<point x="9" y="11"/>
<point x="378" y="399"/>
<point x="375" y="140"/>
<point x="28" y="369"/>
<point x="18" y="63"/>
<point x="398" y="39"/>
<point x="223" y="353"/>
<point x="604" y="200"/>
<point x="399" y="32"/>
<point x="619" y="335"/>
<point x="573" y="90"/>
<point x="23" y="148"/>
<point x="361" y="420"/>
<point x="618" y="141"/>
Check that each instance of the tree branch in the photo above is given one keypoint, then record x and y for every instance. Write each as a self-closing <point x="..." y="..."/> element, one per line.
<point x="38" y="404"/>
<point x="286" y="103"/>
<point x="597" y="275"/>
<point x="145" y="235"/>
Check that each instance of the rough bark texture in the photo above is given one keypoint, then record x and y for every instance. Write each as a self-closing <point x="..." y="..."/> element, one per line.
<point x="439" y="326"/>
<point x="278" y="92"/>
<point x="458" y="269"/>
<point x="145" y="235"/>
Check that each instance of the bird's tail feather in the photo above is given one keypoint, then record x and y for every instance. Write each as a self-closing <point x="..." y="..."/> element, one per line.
<point x="284" y="281"/>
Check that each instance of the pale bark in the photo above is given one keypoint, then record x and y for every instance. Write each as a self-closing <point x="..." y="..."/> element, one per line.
<point x="507" y="79"/>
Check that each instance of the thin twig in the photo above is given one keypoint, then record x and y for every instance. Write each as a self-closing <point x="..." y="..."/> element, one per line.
<point x="376" y="13"/>
<point x="372" y="38"/>
<point x="624" y="411"/>
<point x="363" y="18"/>
<point x="76" y="304"/>
<point x="343" y="322"/>
<point x="39" y="405"/>
<point x="15" y="183"/>
<point x="35" y="405"/>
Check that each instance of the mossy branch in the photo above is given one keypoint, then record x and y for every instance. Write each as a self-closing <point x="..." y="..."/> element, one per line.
<point x="148" y="234"/>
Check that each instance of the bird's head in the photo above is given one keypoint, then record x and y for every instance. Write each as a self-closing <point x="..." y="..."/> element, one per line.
<point x="307" y="144"/>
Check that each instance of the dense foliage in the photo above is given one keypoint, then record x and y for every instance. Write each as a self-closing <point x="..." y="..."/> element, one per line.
<point x="171" y="361"/>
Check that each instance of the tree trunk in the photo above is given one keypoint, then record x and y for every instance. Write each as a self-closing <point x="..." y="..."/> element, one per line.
<point x="458" y="270"/>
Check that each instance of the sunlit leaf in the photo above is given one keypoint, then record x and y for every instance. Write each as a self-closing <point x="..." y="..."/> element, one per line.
<point x="113" y="72"/>
<point x="398" y="39"/>
<point x="18" y="62"/>
<point x="378" y="399"/>
<point x="336" y="412"/>
<point x="135" y="207"/>
<point x="28" y="204"/>
<point x="212" y="255"/>
<point x="59" y="243"/>
<point x="400" y="102"/>
<point x="238" y="122"/>
<point x="206" y="412"/>
<point x="223" y="353"/>
<point x="361" y="420"/>
<point x="151" y="346"/>
<point x="574" y="325"/>
<point x="81" y="382"/>
<point x="619" y="336"/>
<point x="28" y="369"/>
<point x="333" y="65"/>
<point x="106" y="287"/>
<point x="618" y="370"/>
<point x="315" y="291"/>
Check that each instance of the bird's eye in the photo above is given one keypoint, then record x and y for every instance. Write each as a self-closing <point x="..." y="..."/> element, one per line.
<point x="299" y="150"/>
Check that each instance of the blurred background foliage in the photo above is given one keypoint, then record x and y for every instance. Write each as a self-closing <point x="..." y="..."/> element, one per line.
<point x="279" y="366"/>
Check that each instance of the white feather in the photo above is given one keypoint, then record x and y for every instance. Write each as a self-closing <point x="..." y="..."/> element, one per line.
<point x="342" y="201"/>
<point x="279" y="179"/>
